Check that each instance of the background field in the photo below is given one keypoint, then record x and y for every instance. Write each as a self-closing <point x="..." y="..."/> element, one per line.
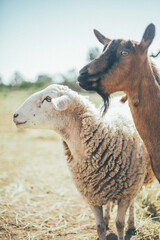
<point x="37" y="197"/>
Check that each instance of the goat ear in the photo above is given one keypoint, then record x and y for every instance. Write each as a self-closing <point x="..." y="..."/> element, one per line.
<point x="61" y="103"/>
<point x="101" y="38"/>
<point x="148" y="36"/>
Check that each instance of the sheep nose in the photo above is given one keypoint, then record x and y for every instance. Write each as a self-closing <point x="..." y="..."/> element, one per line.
<point x="15" y="115"/>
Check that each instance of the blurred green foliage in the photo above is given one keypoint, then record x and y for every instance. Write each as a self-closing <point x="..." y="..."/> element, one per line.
<point x="18" y="81"/>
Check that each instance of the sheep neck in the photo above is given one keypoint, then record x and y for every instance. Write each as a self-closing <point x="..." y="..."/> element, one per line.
<point x="79" y="134"/>
<point x="71" y="136"/>
<point x="87" y="136"/>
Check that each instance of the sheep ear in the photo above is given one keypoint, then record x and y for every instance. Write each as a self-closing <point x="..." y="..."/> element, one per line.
<point x="101" y="38"/>
<point x="61" y="103"/>
<point x="148" y="36"/>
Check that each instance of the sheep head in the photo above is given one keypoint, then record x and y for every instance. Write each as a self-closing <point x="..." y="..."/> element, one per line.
<point x="43" y="109"/>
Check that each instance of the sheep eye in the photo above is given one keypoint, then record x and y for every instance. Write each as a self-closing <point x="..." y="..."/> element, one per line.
<point x="48" y="99"/>
<point x="124" y="53"/>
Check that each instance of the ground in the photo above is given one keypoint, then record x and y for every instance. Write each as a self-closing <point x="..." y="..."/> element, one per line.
<point x="38" y="199"/>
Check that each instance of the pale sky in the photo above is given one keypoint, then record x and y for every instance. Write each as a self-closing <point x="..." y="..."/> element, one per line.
<point x="53" y="36"/>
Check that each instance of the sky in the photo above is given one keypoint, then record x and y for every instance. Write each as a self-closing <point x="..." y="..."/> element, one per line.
<point x="53" y="36"/>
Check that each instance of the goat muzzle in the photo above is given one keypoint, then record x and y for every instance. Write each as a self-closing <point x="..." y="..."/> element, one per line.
<point x="88" y="81"/>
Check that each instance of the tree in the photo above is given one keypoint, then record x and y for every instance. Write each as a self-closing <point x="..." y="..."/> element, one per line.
<point x="92" y="53"/>
<point x="1" y="81"/>
<point x="17" y="79"/>
<point x="43" y="80"/>
<point x="44" y="77"/>
<point x="69" y="78"/>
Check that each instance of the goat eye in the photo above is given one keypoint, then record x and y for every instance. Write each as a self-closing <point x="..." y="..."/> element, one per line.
<point x="124" y="53"/>
<point x="48" y="99"/>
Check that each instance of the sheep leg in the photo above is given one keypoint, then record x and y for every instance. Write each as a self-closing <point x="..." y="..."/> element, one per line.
<point x="120" y="219"/>
<point x="107" y="211"/>
<point x="98" y="214"/>
<point x="131" y="227"/>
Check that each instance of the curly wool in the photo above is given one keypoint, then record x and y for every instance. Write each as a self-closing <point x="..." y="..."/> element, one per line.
<point x="114" y="162"/>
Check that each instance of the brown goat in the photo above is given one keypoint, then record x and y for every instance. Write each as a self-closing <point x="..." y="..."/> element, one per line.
<point x="125" y="66"/>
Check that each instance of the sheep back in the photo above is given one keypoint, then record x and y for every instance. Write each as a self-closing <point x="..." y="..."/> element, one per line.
<point x="114" y="163"/>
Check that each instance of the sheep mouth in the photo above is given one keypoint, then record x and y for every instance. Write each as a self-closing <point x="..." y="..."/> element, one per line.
<point x="20" y="123"/>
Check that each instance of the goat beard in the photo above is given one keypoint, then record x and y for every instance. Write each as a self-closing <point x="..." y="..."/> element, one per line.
<point x="106" y="101"/>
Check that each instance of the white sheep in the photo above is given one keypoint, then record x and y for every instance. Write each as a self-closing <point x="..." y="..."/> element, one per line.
<point x="106" y="159"/>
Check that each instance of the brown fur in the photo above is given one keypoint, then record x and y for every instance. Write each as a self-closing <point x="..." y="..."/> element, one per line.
<point x="138" y="78"/>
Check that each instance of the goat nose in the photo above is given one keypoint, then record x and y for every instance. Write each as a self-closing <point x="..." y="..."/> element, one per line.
<point x="15" y="115"/>
<point x="84" y="70"/>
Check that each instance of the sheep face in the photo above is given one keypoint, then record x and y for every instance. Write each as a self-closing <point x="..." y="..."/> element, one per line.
<point x="44" y="109"/>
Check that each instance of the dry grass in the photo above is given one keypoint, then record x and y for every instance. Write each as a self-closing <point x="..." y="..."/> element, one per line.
<point x="37" y="197"/>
